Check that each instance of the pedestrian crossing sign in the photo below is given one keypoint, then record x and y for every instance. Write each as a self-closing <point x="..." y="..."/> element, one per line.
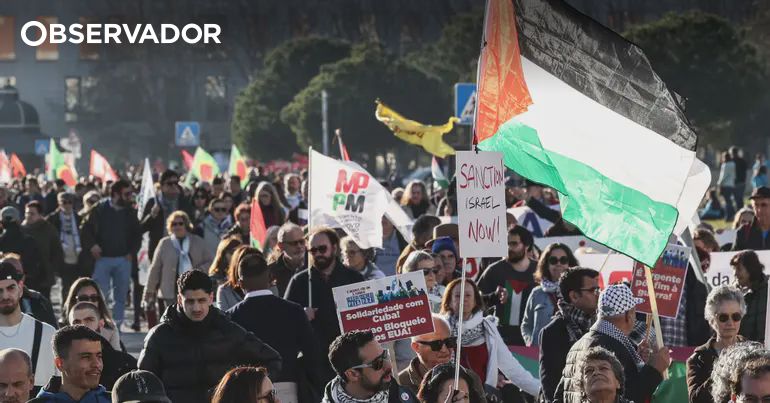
<point x="188" y="134"/>
<point x="465" y="102"/>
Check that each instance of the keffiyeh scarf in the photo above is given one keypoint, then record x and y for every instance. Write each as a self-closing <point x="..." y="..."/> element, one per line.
<point x="340" y="396"/>
<point x="607" y="328"/>
<point x="578" y="322"/>
<point x="473" y="328"/>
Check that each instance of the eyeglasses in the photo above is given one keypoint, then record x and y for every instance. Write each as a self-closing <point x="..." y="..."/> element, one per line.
<point x="429" y="271"/>
<point x="219" y="209"/>
<point x="736" y="317"/>
<point x="435" y="345"/>
<point x="269" y="396"/>
<point x="595" y="290"/>
<point x="377" y="363"/>
<point x="88" y="298"/>
<point x="320" y="249"/>
<point x="560" y="260"/>
<point x="177" y="224"/>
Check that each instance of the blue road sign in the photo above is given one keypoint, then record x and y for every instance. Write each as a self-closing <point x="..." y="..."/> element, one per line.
<point x="41" y="147"/>
<point x="465" y="102"/>
<point x="187" y="134"/>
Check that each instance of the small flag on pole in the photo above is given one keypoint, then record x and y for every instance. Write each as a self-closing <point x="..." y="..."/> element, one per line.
<point x="57" y="167"/>
<point x="17" y="167"/>
<point x="257" y="230"/>
<point x="204" y="167"/>
<point x="101" y="168"/>
<point x="187" y="160"/>
<point x="237" y="164"/>
<point x="437" y="172"/>
<point x="343" y="150"/>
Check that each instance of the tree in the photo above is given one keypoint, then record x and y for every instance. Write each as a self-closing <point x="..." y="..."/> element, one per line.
<point x="256" y="126"/>
<point x="353" y="84"/>
<point x="709" y="62"/>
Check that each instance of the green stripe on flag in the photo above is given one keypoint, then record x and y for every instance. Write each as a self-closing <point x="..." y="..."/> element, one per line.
<point x="608" y="212"/>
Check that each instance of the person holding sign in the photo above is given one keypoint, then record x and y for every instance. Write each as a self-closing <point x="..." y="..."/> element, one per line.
<point x="483" y="349"/>
<point x="617" y="316"/>
<point x="725" y="308"/>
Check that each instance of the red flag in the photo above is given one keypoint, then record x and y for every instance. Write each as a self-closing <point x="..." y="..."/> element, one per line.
<point x="17" y="168"/>
<point x="101" y="168"/>
<point x="344" y="151"/>
<point x="257" y="225"/>
<point x="187" y="159"/>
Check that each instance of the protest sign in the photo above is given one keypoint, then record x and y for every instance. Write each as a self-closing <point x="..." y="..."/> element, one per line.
<point x="393" y="308"/>
<point x="574" y="242"/>
<point x="481" y="204"/>
<point x="720" y="272"/>
<point x="668" y="279"/>
<point x="531" y="221"/>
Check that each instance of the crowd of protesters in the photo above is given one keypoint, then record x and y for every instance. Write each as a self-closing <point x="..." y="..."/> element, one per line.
<point x="233" y="323"/>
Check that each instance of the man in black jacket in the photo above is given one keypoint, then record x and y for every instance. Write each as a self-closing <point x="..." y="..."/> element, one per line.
<point x="617" y="316"/>
<point x="755" y="235"/>
<point x="67" y="223"/>
<point x="326" y="272"/>
<point x="291" y="244"/>
<point x="112" y="235"/>
<point x="157" y="209"/>
<point x="575" y="315"/>
<point x="116" y="363"/>
<point x="195" y="344"/>
<point x="12" y="240"/>
<point x="282" y="325"/>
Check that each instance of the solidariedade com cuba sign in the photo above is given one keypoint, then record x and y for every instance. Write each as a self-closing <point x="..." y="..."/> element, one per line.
<point x="393" y="308"/>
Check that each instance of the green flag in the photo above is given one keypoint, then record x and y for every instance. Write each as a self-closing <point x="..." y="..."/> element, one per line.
<point x="204" y="167"/>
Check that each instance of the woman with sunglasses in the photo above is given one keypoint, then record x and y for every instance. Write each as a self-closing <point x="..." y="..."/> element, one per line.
<point x="245" y="385"/>
<point x="215" y="225"/>
<point x="200" y="200"/>
<point x="725" y="308"/>
<point x="177" y="253"/>
<point x="483" y="349"/>
<point x="424" y="262"/>
<point x="541" y="304"/>
<point x="360" y="260"/>
<point x="86" y="289"/>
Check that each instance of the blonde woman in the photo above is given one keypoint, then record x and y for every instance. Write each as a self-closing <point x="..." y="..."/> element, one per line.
<point x="415" y="201"/>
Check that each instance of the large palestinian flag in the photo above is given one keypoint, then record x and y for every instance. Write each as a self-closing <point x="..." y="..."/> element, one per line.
<point x="573" y="105"/>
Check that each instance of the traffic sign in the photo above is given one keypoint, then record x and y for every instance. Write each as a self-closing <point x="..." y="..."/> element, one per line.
<point x="465" y="102"/>
<point x="188" y="134"/>
<point x="41" y="147"/>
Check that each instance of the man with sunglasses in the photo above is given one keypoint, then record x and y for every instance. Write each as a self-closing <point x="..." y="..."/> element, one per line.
<point x="67" y="223"/>
<point x="291" y="244"/>
<point x="158" y="208"/>
<point x="326" y="272"/>
<point x="364" y="372"/>
<point x="112" y="234"/>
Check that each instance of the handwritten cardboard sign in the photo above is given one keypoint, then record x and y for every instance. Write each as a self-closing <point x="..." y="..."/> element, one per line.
<point x="481" y="204"/>
<point x="393" y="308"/>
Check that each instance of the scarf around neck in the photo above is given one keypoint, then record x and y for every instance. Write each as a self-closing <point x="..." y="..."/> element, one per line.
<point x="69" y="227"/>
<point x="608" y="329"/>
<point x="578" y="322"/>
<point x="339" y="395"/>
<point x="184" y="264"/>
<point x="473" y="328"/>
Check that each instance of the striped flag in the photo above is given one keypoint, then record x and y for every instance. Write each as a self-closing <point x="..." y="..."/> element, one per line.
<point x="573" y="105"/>
<point x="57" y="167"/>
<point x="237" y="164"/>
<point x="257" y="230"/>
<point x="204" y="167"/>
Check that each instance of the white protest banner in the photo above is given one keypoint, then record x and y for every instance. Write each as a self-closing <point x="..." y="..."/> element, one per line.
<point x="481" y="204"/>
<point x="393" y="308"/>
<point x="531" y="221"/>
<point x="617" y="267"/>
<point x="668" y="281"/>
<point x="345" y="196"/>
<point x="574" y="242"/>
<point x="146" y="192"/>
<point x="720" y="272"/>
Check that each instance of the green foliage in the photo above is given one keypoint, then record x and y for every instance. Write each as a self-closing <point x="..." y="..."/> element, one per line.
<point x="453" y="58"/>
<point x="709" y="62"/>
<point x="256" y="127"/>
<point x="353" y="84"/>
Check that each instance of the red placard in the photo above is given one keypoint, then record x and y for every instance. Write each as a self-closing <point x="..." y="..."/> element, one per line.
<point x="668" y="280"/>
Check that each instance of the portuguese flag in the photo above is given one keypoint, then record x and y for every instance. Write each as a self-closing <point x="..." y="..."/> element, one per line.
<point x="574" y="106"/>
<point x="257" y="229"/>
<point x="204" y="167"/>
<point x="57" y="167"/>
<point x="237" y="164"/>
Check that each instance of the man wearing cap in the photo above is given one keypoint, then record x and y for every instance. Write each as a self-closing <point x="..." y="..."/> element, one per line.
<point x="755" y="235"/>
<point x="12" y="240"/>
<point x="445" y="249"/>
<point x="19" y="330"/>
<point x="139" y="387"/>
<point x="516" y="274"/>
<point x="32" y="302"/>
<point x="617" y="316"/>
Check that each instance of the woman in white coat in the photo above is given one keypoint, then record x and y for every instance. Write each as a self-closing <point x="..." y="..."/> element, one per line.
<point x="483" y="349"/>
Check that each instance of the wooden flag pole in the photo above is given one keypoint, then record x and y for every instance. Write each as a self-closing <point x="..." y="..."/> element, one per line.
<point x="309" y="222"/>
<point x="654" y="309"/>
<point x="460" y="326"/>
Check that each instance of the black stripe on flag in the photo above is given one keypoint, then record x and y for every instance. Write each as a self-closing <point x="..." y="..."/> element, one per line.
<point x="601" y="64"/>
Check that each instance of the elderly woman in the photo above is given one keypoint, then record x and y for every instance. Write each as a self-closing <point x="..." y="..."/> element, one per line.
<point x="601" y="377"/>
<point x="543" y="300"/>
<point x="726" y="366"/>
<point x="483" y="349"/>
<point x="175" y="254"/>
<point x="360" y="260"/>
<point x="725" y="308"/>
<point x="749" y="274"/>
<point x="424" y="261"/>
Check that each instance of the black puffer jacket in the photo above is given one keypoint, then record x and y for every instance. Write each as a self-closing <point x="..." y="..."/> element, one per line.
<point x="191" y="357"/>
<point x="640" y="383"/>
